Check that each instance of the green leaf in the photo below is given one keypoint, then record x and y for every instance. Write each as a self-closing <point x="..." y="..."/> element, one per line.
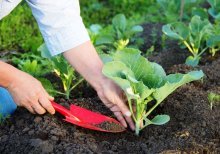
<point x="201" y="12"/>
<point x="213" y="41"/>
<point x="47" y="86"/>
<point x="95" y="28"/>
<point x="198" y="26"/>
<point x="143" y="91"/>
<point x="104" y="39"/>
<point x="176" y="31"/>
<point x="120" y="22"/>
<point x="44" y="51"/>
<point x="174" y="81"/>
<point x="160" y="119"/>
<point x="137" y="29"/>
<point x="105" y="58"/>
<point x="151" y="74"/>
<point x="192" y="61"/>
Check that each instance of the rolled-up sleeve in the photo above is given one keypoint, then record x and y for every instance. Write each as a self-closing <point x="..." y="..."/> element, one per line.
<point x="60" y="24"/>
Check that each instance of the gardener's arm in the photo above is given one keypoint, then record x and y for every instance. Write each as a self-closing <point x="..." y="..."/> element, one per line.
<point x="64" y="32"/>
<point x="25" y="90"/>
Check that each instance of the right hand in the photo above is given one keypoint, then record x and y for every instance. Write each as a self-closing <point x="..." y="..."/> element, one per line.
<point x="28" y="92"/>
<point x="112" y="96"/>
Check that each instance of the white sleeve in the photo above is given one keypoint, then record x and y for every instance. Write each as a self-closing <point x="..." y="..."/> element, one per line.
<point x="6" y="6"/>
<point x="60" y="24"/>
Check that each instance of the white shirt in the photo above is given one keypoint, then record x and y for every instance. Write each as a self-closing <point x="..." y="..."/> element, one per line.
<point x="59" y="21"/>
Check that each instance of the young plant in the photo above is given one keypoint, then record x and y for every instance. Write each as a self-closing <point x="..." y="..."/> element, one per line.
<point x="66" y="73"/>
<point x="33" y="67"/>
<point x="63" y="70"/>
<point x="214" y="44"/>
<point x="145" y="84"/>
<point x="118" y="35"/>
<point x="193" y="36"/>
<point x="214" y="99"/>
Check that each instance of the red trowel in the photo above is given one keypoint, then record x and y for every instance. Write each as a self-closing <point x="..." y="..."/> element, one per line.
<point x="88" y="119"/>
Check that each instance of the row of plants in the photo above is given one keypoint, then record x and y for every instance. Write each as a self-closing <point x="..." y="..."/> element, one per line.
<point x="26" y="37"/>
<point x="198" y="37"/>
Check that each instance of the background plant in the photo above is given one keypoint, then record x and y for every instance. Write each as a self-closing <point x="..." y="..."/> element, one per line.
<point x="63" y="70"/>
<point x="144" y="83"/>
<point x="179" y="10"/>
<point x="214" y="99"/>
<point x="19" y="31"/>
<point x="117" y="36"/>
<point x="193" y="36"/>
<point x="214" y="10"/>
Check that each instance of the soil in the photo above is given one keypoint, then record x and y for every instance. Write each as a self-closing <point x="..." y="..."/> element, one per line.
<point x="111" y="126"/>
<point x="193" y="128"/>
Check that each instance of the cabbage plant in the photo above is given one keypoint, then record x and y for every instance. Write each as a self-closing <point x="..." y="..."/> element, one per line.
<point x="144" y="83"/>
<point x="193" y="36"/>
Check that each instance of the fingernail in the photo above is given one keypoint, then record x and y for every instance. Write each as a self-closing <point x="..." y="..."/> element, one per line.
<point x="128" y="113"/>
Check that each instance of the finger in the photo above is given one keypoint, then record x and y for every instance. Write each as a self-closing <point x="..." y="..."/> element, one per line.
<point x="124" y="109"/>
<point x="121" y="119"/>
<point x="48" y="96"/>
<point x="38" y="108"/>
<point x="46" y="104"/>
<point x="116" y="111"/>
<point x="130" y="123"/>
<point x="129" y="120"/>
<point x="30" y="109"/>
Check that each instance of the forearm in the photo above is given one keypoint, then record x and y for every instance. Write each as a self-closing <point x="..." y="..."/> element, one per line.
<point x="7" y="73"/>
<point x="86" y="61"/>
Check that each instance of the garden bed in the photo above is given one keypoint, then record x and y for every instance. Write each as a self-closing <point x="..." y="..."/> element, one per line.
<point x="193" y="127"/>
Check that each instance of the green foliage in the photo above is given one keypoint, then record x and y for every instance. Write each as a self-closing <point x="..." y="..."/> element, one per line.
<point x="213" y="41"/>
<point x="33" y="64"/>
<point x="214" y="99"/>
<point x="144" y="82"/>
<point x="48" y="86"/>
<point x="99" y="11"/>
<point x="63" y="70"/>
<point x="36" y="66"/>
<point x="194" y="36"/>
<point x="117" y="36"/>
<point x="178" y="10"/>
<point x="19" y="30"/>
<point x="214" y="11"/>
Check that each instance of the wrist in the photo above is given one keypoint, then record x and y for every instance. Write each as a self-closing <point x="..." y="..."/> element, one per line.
<point x="8" y="74"/>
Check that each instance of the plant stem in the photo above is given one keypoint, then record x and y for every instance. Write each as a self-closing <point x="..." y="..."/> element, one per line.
<point x="77" y="83"/>
<point x="149" y="111"/>
<point x="131" y="109"/>
<point x="188" y="46"/>
<point x="137" y="127"/>
<point x="202" y="52"/>
<point x="181" y="9"/>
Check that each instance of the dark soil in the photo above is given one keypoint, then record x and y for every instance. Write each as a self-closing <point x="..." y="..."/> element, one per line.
<point x="111" y="126"/>
<point x="193" y="128"/>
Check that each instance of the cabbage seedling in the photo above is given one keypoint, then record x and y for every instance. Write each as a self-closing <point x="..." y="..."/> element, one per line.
<point x="63" y="70"/>
<point x="144" y="82"/>
<point x="214" y="99"/>
<point x="193" y="36"/>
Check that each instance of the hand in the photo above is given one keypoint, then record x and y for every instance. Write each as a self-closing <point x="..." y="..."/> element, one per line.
<point x="87" y="62"/>
<point x="112" y="96"/>
<point x="29" y="93"/>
